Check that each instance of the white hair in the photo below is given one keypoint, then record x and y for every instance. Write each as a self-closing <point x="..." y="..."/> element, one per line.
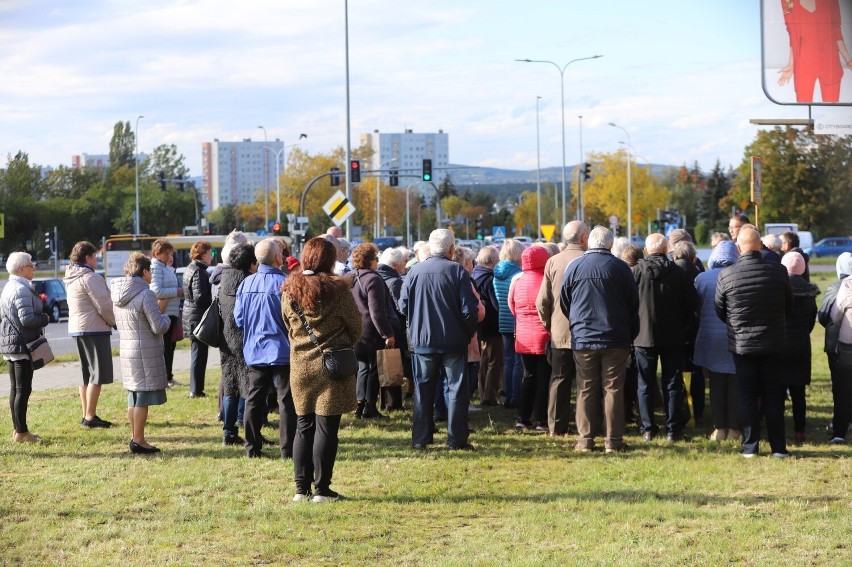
<point x="621" y="244"/>
<point x="235" y="237"/>
<point x="344" y="245"/>
<point x="391" y="257"/>
<point x="772" y="241"/>
<point x="656" y="243"/>
<point x="440" y="241"/>
<point x="601" y="237"/>
<point x="16" y="261"/>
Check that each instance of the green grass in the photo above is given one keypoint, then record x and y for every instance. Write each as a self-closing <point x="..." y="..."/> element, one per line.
<point x="80" y="498"/>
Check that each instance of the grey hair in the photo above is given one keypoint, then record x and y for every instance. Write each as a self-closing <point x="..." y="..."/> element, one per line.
<point x="440" y="241"/>
<point x="601" y="237"/>
<point x="343" y="244"/>
<point x="266" y="251"/>
<point x="235" y="237"/>
<point x="574" y="231"/>
<point x="772" y="241"/>
<point x="16" y="261"/>
<point x="391" y="257"/>
<point x="620" y="245"/>
<point x="463" y="256"/>
<point x="487" y="256"/>
<point x="512" y="250"/>
<point x="656" y="243"/>
<point x="684" y="250"/>
<point x="551" y="247"/>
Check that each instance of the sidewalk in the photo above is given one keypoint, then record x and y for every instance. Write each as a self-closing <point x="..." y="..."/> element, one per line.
<point x="69" y="375"/>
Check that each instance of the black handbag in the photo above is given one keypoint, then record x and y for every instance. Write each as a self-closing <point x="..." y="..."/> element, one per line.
<point x="338" y="360"/>
<point x="209" y="329"/>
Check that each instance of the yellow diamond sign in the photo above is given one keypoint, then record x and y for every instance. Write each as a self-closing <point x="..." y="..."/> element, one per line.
<point x="339" y="208"/>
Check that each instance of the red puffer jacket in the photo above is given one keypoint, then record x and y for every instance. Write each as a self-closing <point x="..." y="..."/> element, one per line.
<point x="530" y="335"/>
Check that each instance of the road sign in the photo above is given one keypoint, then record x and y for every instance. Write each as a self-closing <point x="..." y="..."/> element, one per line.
<point x="756" y="180"/>
<point x="613" y="219"/>
<point x="547" y="231"/>
<point x="498" y="232"/>
<point x="338" y="208"/>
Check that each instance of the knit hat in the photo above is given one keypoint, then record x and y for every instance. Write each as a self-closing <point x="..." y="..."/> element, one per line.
<point x="844" y="265"/>
<point x="794" y="262"/>
<point x="677" y="235"/>
<point x="292" y="263"/>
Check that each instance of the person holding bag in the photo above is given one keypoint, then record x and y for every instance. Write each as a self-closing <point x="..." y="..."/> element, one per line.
<point x="169" y="292"/>
<point x="197" y="298"/>
<point x="22" y="322"/>
<point x="320" y="400"/>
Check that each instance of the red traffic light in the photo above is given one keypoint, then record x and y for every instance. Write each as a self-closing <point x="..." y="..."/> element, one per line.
<point x="276" y="228"/>
<point x="355" y="164"/>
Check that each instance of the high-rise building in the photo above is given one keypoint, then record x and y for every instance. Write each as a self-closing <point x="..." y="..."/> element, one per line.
<point x="90" y="160"/>
<point x="407" y="150"/>
<point x="235" y="172"/>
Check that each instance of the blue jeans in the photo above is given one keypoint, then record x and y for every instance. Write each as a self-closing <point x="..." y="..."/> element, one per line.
<point x="513" y="371"/>
<point x="230" y="407"/>
<point x="671" y="361"/>
<point x="429" y="369"/>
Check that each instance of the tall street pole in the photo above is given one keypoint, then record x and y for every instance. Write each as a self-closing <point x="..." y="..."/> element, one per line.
<point x="348" y="122"/>
<point x="629" y="196"/>
<point x="136" y="138"/>
<point x="581" y="176"/>
<point x="265" y="184"/>
<point x="538" y="167"/>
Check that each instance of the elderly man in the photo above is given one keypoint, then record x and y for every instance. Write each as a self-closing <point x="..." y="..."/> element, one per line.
<point x="600" y="301"/>
<point x="754" y="297"/>
<point x="334" y="231"/>
<point x="668" y="304"/>
<point x="771" y="248"/>
<point x="438" y="303"/>
<point x="266" y="348"/>
<point x="391" y="268"/>
<point x="490" y="341"/>
<point x="563" y="371"/>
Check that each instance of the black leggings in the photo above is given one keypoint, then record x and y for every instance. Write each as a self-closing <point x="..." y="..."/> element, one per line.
<point x="797" y="400"/>
<point x="21" y="377"/>
<point x="314" y="451"/>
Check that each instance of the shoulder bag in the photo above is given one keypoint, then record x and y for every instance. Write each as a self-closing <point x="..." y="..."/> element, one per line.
<point x="209" y="330"/>
<point x="338" y="360"/>
<point x="40" y="352"/>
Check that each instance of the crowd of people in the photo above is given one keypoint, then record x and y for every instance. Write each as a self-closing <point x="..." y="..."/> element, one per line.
<point x="522" y="327"/>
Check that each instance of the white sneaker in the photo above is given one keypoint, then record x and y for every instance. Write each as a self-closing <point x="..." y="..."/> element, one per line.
<point x="473" y="409"/>
<point x="781" y="455"/>
<point x="299" y="497"/>
<point x="837" y="441"/>
<point x="329" y="496"/>
<point x="748" y="455"/>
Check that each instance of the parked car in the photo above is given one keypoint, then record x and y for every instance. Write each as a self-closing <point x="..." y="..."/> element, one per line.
<point x="385" y="242"/>
<point x="832" y="246"/>
<point x="54" y="297"/>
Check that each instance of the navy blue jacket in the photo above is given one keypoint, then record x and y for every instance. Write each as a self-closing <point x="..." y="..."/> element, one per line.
<point x="601" y="301"/>
<point x="438" y="303"/>
<point x="483" y="281"/>
<point x="257" y="312"/>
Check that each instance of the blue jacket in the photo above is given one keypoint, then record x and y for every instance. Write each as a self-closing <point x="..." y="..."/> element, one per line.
<point x="711" y="343"/>
<point x="258" y="313"/>
<point x="504" y="272"/>
<point x="601" y="300"/>
<point x="438" y="303"/>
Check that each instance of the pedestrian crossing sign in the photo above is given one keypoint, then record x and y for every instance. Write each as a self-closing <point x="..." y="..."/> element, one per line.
<point x="498" y="232"/>
<point x="339" y="208"/>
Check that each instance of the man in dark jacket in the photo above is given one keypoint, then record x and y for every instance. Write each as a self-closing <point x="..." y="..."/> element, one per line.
<point x="438" y="303"/>
<point x="600" y="300"/>
<point x="490" y="341"/>
<point x="754" y="298"/>
<point x="667" y="306"/>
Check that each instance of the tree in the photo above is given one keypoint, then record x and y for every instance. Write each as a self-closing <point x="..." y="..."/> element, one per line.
<point x="21" y="189"/>
<point x="122" y="146"/>
<point x="709" y="212"/>
<point x="446" y="188"/>
<point x="165" y="158"/>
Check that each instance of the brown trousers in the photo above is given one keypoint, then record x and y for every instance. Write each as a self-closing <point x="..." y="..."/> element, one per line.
<point x="600" y="374"/>
<point x="563" y="376"/>
<point x="490" y="368"/>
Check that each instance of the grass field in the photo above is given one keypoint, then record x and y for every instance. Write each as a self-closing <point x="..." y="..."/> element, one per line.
<point x="80" y="498"/>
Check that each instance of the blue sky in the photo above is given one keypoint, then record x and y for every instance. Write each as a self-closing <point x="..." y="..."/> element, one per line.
<point x="683" y="77"/>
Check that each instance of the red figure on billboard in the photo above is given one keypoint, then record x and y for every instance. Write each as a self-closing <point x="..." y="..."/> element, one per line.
<point x="816" y="40"/>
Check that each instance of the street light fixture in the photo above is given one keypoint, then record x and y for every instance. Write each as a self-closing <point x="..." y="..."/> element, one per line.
<point x="562" y="99"/>
<point x="629" y="195"/>
<point x="278" y="174"/>
<point x="136" y="163"/>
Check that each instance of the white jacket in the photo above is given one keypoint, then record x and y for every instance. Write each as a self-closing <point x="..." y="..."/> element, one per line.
<point x="165" y="285"/>
<point x="89" y="304"/>
<point x="841" y="311"/>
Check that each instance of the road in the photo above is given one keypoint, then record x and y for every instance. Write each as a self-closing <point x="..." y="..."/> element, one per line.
<point x="61" y="343"/>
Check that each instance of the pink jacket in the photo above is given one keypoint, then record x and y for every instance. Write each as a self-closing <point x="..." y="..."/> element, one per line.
<point x="530" y="335"/>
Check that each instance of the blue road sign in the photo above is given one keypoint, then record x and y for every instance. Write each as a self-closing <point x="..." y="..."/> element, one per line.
<point x="498" y="232"/>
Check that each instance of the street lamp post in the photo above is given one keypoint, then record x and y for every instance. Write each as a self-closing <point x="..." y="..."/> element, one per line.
<point x="136" y="161"/>
<point x="265" y="185"/>
<point x="538" y="167"/>
<point x="379" y="197"/>
<point x="277" y="180"/>
<point x="562" y="99"/>
<point x="629" y="195"/>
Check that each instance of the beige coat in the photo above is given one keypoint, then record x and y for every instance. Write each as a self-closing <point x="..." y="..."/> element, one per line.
<point x="547" y="303"/>
<point x="140" y="330"/>
<point x="89" y="304"/>
<point x="313" y="391"/>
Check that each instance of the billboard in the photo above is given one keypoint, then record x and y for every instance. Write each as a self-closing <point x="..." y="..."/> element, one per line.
<point x="807" y="51"/>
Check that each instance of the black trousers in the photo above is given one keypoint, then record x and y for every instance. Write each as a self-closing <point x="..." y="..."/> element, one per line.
<point x="800" y="407"/>
<point x="761" y="391"/>
<point x="169" y="346"/>
<point x="840" y="365"/>
<point x="532" y="404"/>
<point x="260" y="379"/>
<point x="367" y="379"/>
<point x="198" y="352"/>
<point x="21" y="378"/>
<point x="314" y="451"/>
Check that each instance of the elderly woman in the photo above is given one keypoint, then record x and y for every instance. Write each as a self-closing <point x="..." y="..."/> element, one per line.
<point x="685" y="257"/>
<point x="168" y="291"/>
<point x="197" y="298"/>
<point x="465" y="257"/>
<point x="377" y="328"/>
<point x="90" y="322"/>
<point x="21" y="322"/>
<point x="140" y="326"/>
<point x="241" y="264"/>
<point x="330" y="311"/>
<point x="488" y="331"/>
<point x="508" y="267"/>
<point x="391" y="268"/>
<point x="797" y="352"/>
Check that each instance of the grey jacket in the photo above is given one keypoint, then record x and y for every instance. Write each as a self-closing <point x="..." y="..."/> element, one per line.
<point x="165" y="285"/>
<point x="22" y="316"/>
<point x="89" y="304"/>
<point x="140" y="329"/>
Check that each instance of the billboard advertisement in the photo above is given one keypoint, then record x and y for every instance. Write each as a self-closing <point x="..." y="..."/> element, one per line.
<point x="807" y="51"/>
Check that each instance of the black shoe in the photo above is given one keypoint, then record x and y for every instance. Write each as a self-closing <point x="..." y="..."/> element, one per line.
<point x="138" y="449"/>
<point x="465" y="447"/>
<point x="418" y="447"/>
<point x="326" y="495"/>
<point x="229" y="440"/>
<point x="95" y="422"/>
<point x="371" y="412"/>
<point x="198" y="395"/>
<point x="252" y="454"/>
<point x="266" y="441"/>
<point x="359" y="411"/>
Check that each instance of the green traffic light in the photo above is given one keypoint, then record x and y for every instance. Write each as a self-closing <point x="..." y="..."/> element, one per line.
<point x="427" y="177"/>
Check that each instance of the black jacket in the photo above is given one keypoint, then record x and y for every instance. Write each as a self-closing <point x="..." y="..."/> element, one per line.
<point x="800" y="323"/>
<point x="832" y="331"/>
<point x="377" y="311"/>
<point x="754" y="298"/>
<point x="393" y="281"/>
<point x="668" y="303"/>
<point x="197" y="295"/>
<point x="483" y="281"/>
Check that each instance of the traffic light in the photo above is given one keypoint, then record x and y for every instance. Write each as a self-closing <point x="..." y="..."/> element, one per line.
<point x="394" y="177"/>
<point x="335" y="177"/>
<point x="162" y="176"/>
<point x="355" y="171"/>
<point x="181" y="184"/>
<point x="480" y="229"/>
<point x="427" y="170"/>
<point x="47" y="245"/>
<point x="276" y="229"/>
<point x="655" y="225"/>
<point x="587" y="171"/>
